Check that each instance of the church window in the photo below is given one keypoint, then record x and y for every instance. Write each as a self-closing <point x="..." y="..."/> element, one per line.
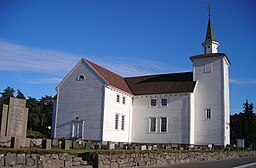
<point x="208" y="114"/>
<point x="152" y="124"/>
<point x="153" y="102"/>
<point x="123" y="100"/>
<point x="117" y="98"/>
<point x="208" y="68"/>
<point x="77" y="129"/>
<point x="122" y="122"/>
<point x="163" y="123"/>
<point x="116" y="121"/>
<point x="80" y="77"/>
<point x="164" y="102"/>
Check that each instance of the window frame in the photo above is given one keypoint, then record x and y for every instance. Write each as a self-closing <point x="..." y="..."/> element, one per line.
<point x="166" y="125"/>
<point x="150" y="124"/>
<point x="166" y="102"/>
<point x="116" y="122"/>
<point x="208" y="68"/>
<point x="122" y="122"/>
<point x="80" y="77"/>
<point x="118" y="98"/>
<point x="151" y="100"/>
<point x="124" y="100"/>
<point x="208" y="113"/>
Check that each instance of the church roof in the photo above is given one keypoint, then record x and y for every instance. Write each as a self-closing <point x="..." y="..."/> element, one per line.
<point x="110" y="77"/>
<point x="210" y="55"/>
<point x="209" y="34"/>
<point x="161" y="84"/>
<point x="151" y="84"/>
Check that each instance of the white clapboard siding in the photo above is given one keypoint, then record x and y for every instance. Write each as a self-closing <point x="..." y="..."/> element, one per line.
<point x="110" y="110"/>
<point x="83" y="99"/>
<point x="177" y="112"/>
<point x="209" y="93"/>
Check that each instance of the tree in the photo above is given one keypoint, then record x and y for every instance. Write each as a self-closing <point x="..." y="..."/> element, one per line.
<point x="33" y="115"/>
<point x="5" y="95"/>
<point x="46" y="107"/>
<point x="243" y="126"/>
<point x="248" y="123"/>
<point x="46" y="104"/>
<point x="20" y="94"/>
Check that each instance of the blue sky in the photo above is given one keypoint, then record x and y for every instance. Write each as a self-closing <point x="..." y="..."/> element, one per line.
<point x="40" y="41"/>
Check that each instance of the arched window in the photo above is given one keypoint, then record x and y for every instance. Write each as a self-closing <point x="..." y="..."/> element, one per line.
<point x="80" y="77"/>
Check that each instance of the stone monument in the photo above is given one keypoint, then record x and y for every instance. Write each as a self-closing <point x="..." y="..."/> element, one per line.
<point x="14" y="119"/>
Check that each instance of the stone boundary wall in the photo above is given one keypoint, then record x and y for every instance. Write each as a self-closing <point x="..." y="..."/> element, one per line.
<point x="23" y="160"/>
<point x="163" y="159"/>
<point x="111" y="159"/>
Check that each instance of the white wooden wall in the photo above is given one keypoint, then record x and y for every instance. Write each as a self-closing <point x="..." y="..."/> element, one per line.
<point x="226" y="101"/>
<point x="112" y="108"/>
<point x="83" y="99"/>
<point x="177" y="112"/>
<point x="209" y="94"/>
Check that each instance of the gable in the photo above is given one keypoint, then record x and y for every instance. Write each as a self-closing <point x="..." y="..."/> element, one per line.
<point x="81" y="68"/>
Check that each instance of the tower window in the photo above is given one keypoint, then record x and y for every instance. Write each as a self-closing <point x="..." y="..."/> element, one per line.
<point x="208" y="68"/>
<point x="208" y="46"/>
<point x="208" y="114"/>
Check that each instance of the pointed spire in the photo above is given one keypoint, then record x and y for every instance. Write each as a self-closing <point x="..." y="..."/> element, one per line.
<point x="209" y="34"/>
<point x="210" y="44"/>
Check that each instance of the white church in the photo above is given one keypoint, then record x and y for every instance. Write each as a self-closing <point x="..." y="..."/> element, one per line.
<point x="191" y="108"/>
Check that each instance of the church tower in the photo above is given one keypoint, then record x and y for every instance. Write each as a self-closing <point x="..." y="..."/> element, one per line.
<point x="211" y="96"/>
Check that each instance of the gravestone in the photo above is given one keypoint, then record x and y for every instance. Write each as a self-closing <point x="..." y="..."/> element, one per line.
<point x="143" y="147"/>
<point x="15" y="142"/>
<point x="46" y="144"/>
<point x="55" y="142"/>
<point x="14" y="121"/>
<point x="67" y="144"/>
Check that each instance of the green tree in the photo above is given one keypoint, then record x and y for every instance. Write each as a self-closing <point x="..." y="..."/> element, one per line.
<point x="33" y="114"/>
<point x="46" y="107"/>
<point x="249" y="124"/>
<point x="243" y="126"/>
<point x="20" y="94"/>
<point x="236" y="131"/>
<point x="5" y="96"/>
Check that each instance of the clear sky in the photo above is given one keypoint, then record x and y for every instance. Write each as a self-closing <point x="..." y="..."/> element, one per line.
<point x="41" y="40"/>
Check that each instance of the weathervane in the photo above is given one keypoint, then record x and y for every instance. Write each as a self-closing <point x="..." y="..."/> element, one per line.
<point x="209" y="10"/>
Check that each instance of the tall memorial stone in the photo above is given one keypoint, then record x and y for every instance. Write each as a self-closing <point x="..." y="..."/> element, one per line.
<point x="14" y="119"/>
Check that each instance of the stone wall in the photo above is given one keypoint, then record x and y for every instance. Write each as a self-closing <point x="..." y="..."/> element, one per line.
<point x="161" y="159"/>
<point x="42" y="160"/>
<point x="112" y="159"/>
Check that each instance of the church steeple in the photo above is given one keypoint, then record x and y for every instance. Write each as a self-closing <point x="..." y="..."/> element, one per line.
<point x="209" y="34"/>
<point x="210" y="44"/>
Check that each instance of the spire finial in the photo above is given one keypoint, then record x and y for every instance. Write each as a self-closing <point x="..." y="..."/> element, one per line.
<point x="208" y="8"/>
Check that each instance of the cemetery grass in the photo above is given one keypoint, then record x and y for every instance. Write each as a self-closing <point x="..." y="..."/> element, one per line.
<point x="39" y="150"/>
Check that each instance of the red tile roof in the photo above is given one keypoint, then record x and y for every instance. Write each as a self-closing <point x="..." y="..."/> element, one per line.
<point x="152" y="84"/>
<point x="110" y="77"/>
